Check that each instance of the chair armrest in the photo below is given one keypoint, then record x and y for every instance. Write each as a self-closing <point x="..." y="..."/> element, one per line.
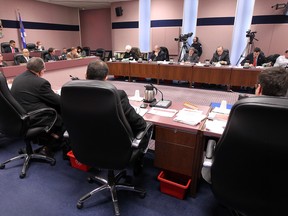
<point x="139" y="138"/>
<point x="52" y="113"/>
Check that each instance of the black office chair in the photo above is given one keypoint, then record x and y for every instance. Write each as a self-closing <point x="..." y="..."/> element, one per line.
<point x="43" y="54"/>
<point x="17" y="58"/>
<point x="165" y="50"/>
<point x="100" y="135"/>
<point x="31" y="46"/>
<point x="250" y="159"/>
<point x="4" y="45"/>
<point x="15" y="123"/>
<point x="87" y="51"/>
<point x="101" y="53"/>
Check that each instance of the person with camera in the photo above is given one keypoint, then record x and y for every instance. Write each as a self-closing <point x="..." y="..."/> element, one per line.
<point x="158" y="54"/>
<point x="257" y="58"/>
<point x="220" y="56"/>
<point x="197" y="45"/>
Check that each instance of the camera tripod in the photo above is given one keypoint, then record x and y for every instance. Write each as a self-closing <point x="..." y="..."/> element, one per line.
<point x="185" y="47"/>
<point x="248" y="49"/>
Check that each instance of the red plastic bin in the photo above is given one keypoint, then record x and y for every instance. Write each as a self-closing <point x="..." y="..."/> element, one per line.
<point x="75" y="163"/>
<point x="172" y="185"/>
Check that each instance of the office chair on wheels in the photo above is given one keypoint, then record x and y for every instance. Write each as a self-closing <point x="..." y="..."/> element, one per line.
<point x="15" y="123"/>
<point x="100" y="135"/>
<point x="249" y="160"/>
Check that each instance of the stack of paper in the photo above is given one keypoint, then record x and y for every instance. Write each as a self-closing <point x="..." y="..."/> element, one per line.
<point x="189" y="116"/>
<point x="163" y="112"/>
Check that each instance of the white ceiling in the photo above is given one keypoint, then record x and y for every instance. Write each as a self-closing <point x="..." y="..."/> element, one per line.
<point x="84" y="5"/>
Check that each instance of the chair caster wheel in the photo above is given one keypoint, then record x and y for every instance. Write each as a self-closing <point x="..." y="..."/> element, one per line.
<point x="2" y="166"/>
<point x="79" y="205"/>
<point x="142" y="195"/>
<point x="53" y="163"/>
<point x="22" y="175"/>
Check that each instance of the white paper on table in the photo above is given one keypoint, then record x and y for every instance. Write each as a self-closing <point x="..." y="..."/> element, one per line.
<point x="163" y="112"/>
<point x="190" y="116"/>
<point x="140" y="111"/>
<point x="133" y="98"/>
<point x="216" y="126"/>
<point x="220" y="110"/>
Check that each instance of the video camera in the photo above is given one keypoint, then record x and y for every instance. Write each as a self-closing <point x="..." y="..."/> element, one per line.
<point x="183" y="37"/>
<point x="250" y="34"/>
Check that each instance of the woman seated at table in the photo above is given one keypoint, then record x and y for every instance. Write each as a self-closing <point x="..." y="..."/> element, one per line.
<point x="73" y="54"/>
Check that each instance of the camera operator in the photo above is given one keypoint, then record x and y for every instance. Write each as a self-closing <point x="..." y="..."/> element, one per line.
<point x="197" y="45"/>
<point x="157" y="54"/>
<point x="257" y="58"/>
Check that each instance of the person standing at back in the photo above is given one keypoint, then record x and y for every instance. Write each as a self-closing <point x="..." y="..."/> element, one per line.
<point x="197" y="45"/>
<point x="39" y="46"/>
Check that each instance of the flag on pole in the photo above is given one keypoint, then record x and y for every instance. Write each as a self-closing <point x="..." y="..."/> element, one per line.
<point x="22" y="32"/>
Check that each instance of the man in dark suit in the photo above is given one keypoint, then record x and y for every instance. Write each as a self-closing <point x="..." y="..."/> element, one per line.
<point x="158" y="54"/>
<point x="98" y="70"/>
<point x="221" y="56"/>
<point x="51" y="55"/>
<point x="257" y="58"/>
<point x="12" y="48"/>
<point x="33" y="92"/>
<point x="22" y="59"/>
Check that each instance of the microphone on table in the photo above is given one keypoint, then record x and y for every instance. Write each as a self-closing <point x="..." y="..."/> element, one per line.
<point x="73" y="78"/>
<point x="162" y="103"/>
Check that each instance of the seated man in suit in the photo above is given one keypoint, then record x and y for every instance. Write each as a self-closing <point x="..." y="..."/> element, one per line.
<point x="221" y="56"/>
<point x="34" y="92"/>
<point x="191" y="56"/>
<point x="128" y="53"/>
<point x="24" y="58"/>
<point x="157" y="55"/>
<point x="51" y="55"/>
<point x="254" y="59"/>
<point x="98" y="70"/>
<point x="12" y="48"/>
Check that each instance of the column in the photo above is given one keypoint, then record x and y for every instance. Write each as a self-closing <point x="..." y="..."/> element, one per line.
<point x="243" y="18"/>
<point x="144" y="25"/>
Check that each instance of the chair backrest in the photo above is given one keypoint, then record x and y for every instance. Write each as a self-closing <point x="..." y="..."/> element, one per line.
<point x="251" y="157"/>
<point x="165" y="50"/>
<point x="31" y="46"/>
<point x="4" y="45"/>
<point x="136" y="52"/>
<point x="99" y="132"/>
<point x="13" y="119"/>
<point x="101" y="53"/>
<point x="43" y="54"/>
<point x="87" y="50"/>
<point x="17" y="58"/>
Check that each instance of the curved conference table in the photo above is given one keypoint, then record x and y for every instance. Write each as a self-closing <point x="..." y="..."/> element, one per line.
<point x="224" y="75"/>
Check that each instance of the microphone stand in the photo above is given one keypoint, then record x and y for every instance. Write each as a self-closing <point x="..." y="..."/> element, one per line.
<point x="162" y="103"/>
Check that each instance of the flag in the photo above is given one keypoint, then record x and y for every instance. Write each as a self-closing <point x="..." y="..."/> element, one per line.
<point x="22" y="32"/>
